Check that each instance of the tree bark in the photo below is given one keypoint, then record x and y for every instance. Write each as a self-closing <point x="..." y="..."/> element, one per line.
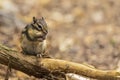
<point x="46" y="66"/>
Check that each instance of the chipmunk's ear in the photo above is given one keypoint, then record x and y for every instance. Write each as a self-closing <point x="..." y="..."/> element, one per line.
<point x="42" y="18"/>
<point x="34" y="19"/>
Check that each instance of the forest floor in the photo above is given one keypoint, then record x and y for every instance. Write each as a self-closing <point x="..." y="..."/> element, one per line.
<point x="83" y="31"/>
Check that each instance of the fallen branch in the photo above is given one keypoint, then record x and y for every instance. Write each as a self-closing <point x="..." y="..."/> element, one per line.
<point x="46" y="66"/>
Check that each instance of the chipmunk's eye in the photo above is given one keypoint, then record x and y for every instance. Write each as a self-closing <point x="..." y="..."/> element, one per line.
<point x="39" y="27"/>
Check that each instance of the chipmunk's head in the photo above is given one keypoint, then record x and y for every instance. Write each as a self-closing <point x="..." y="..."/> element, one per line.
<point x="38" y="30"/>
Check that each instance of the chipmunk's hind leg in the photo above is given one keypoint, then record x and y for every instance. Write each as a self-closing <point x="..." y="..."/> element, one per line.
<point x="24" y="51"/>
<point x="46" y="56"/>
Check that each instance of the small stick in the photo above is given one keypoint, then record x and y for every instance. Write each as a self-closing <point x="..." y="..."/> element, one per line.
<point x="8" y="70"/>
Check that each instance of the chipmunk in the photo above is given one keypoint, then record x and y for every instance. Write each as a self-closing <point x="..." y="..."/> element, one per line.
<point x="33" y="38"/>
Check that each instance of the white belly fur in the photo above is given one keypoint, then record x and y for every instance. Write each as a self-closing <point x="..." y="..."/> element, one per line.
<point x="33" y="47"/>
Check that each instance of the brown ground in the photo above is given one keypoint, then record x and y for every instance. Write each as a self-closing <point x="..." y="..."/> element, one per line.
<point x="84" y="31"/>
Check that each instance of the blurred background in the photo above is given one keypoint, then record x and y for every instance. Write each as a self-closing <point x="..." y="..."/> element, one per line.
<point x="83" y="31"/>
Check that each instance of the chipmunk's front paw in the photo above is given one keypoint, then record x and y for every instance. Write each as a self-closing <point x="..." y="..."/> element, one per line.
<point x="39" y="56"/>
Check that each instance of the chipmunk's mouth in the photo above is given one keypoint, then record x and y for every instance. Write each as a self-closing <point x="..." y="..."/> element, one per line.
<point x="40" y="38"/>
